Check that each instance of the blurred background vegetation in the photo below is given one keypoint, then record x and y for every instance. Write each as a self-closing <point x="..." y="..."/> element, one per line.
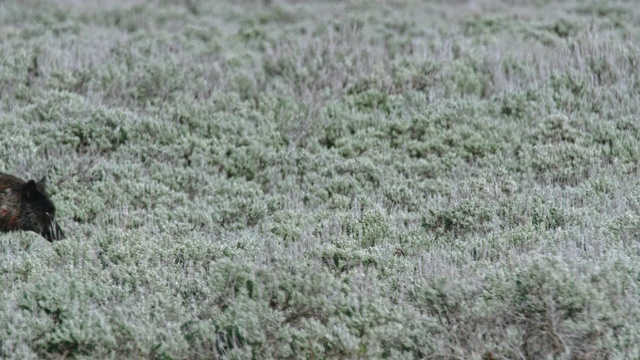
<point x="324" y="179"/>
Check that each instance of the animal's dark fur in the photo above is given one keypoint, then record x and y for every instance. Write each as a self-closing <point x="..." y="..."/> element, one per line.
<point x="26" y="206"/>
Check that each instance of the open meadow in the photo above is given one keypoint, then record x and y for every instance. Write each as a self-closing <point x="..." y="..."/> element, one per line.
<point x="384" y="179"/>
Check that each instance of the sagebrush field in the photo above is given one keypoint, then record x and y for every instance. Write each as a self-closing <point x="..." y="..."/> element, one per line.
<point x="360" y="179"/>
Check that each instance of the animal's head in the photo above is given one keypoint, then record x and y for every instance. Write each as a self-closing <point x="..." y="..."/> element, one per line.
<point x="38" y="212"/>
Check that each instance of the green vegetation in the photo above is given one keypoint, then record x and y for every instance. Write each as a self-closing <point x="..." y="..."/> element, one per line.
<point x="322" y="179"/>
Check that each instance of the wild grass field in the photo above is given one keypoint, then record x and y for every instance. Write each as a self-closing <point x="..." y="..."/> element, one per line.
<point x="388" y="179"/>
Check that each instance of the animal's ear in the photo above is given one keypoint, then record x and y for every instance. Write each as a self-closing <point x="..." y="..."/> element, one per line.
<point x="30" y="189"/>
<point x="42" y="184"/>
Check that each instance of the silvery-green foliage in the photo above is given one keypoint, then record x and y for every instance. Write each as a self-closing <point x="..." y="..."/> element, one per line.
<point x="286" y="179"/>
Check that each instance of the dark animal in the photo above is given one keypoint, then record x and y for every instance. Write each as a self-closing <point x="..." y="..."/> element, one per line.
<point x="26" y="206"/>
